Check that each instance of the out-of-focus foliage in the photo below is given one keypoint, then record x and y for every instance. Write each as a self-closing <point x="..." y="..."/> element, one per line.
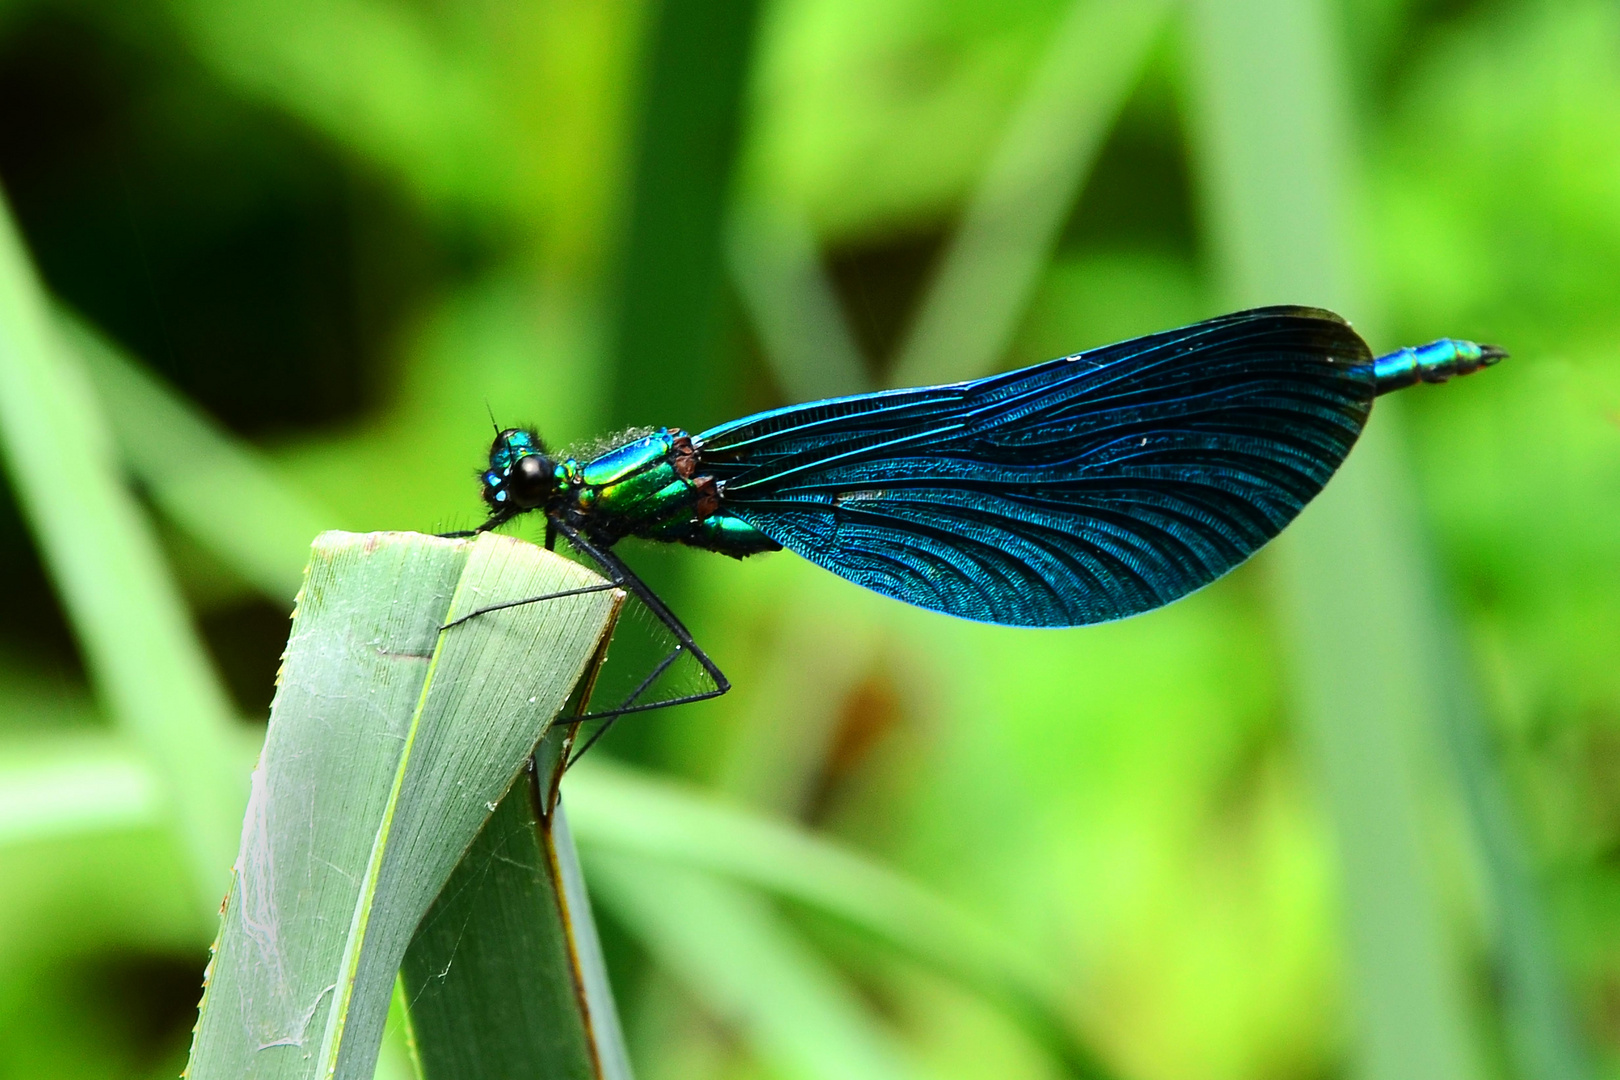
<point x="343" y="228"/>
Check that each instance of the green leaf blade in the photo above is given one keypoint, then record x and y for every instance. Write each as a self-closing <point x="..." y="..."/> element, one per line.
<point x="390" y="744"/>
<point x="505" y="975"/>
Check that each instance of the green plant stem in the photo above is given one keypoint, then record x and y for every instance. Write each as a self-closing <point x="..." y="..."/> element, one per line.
<point x="1543" y="1032"/>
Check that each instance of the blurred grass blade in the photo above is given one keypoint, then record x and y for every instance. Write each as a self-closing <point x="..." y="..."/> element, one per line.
<point x="397" y="1057"/>
<point x="65" y="786"/>
<point x="1033" y="179"/>
<point x="56" y="785"/>
<point x="94" y="784"/>
<point x="617" y="810"/>
<point x="389" y="745"/>
<point x="504" y="976"/>
<point x="184" y="460"/>
<point x="669" y="324"/>
<point x="374" y="76"/>
<point x="1347" y="587"/>
<point x="144" y="659"/>
<point x="1543" y="1033"/>
<point x="778" y="271"/>
<point x="750" y="969"/>
<point x="1272" y="135"/>
<point x="1270" y="123"/>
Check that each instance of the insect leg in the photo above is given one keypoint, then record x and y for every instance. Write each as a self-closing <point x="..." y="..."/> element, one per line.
<point x="626" y="578"/>
<point x="604" y="587"/>
<point x="612" y="715"/>
<point x="495" y="521"/>
<point x="620" y="577"/>
<point x="551" y="542"/>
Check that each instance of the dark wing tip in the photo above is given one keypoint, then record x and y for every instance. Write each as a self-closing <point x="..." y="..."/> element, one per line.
<point x="1297" y="311"/>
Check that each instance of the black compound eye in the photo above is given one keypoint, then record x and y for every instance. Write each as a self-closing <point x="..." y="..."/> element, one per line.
<point x="531" y="481"/>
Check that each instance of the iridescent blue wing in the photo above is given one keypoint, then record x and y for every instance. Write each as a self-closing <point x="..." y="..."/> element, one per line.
<point x="1076" y="491"/>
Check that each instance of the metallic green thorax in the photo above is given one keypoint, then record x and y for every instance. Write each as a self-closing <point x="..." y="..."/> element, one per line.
<point x="650" y="487"/>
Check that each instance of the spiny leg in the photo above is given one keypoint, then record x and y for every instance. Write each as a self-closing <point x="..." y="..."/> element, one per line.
<point x="621" y="576"/>
<point x="613" y="715"/>
<point x="551" y="543"/>
<point x="581" y="591"/>
<point x="624" y="577"/>
<point x="495" y="522"/>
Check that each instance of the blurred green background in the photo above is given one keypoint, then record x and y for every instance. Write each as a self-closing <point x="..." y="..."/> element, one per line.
<point x="1354" y="811"/>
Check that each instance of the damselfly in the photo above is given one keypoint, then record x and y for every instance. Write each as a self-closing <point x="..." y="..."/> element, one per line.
<point x="1081" y="490"/>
